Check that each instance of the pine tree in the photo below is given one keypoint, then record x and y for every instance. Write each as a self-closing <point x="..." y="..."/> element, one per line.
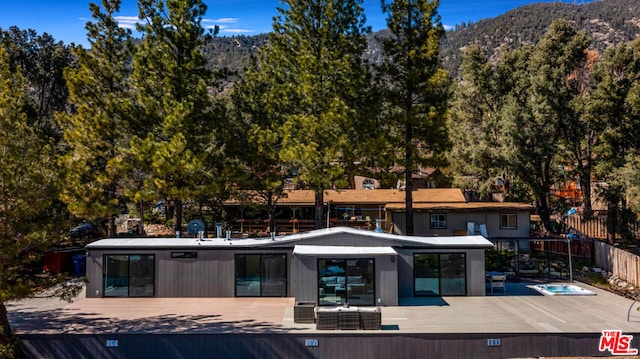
<point x="541" y="100"/>
<point x="313" y="76"/>
<point x="97" y="131"/>
<point x="29" y="186"/>
<point x="418" y="90"/>
<point x="174" y="144"/>
<point x="614" y="104"/>
<point x="476" y="126"/>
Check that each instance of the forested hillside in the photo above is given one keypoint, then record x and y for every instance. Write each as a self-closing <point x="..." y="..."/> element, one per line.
<point x="607" y="22"/>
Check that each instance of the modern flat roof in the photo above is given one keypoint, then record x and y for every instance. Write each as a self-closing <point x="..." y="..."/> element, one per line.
<point x="288" y="240"/>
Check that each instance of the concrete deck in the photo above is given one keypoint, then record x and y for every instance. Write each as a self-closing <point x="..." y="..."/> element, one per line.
<point x="519" y="310"/>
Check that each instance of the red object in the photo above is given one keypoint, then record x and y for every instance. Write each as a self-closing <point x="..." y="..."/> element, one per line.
<point x="59" y="261"/>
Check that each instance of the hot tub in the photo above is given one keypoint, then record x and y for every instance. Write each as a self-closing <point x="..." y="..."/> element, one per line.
<point x="560" y="289"/>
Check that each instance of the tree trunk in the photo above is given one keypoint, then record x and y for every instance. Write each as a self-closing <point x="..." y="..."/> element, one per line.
<point x="141" y="226"/>
<point x="111" y="227"/>
<point x="6" y="334"/>
<point x="271" y="214"/>
<point x="319" y="204"/>
<point x="408" y="197"/>
<point x="7" y="342"/>
<point x="408" y="181"/>
<point x="177" y="216"/>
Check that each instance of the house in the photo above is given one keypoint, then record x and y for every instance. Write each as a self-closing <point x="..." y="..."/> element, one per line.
<point x="494" y="220"/>
<point x="331" y="266"/>
<point x="437" y="212"/>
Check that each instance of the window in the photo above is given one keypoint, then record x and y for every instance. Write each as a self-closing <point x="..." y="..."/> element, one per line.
<point x="261" y="275"/>
<point x="439" y="274"/>
<point x="438" y="221"/>
<point x="508" y="221"/>
<point x="129" y="275"/>
<point x="184" y="254"/>
<point x="346" y="281"/>
<point x="368" y="183"/>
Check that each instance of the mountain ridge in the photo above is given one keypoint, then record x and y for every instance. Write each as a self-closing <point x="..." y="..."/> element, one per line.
<point x="607" y="22"/>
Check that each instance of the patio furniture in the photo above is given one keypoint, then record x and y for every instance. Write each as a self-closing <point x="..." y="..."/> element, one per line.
<point x="348" y="318"/>
<point x="370" y="318"/>
<point x="327" y="318"/>
<point x="498" y="281"/>
<point x="304" y="312"/>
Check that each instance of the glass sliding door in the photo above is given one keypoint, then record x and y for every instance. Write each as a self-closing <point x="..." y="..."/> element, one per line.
<point x="141" y="269"/>
<point x="333" y="277"/>
<point x="261" y="275"/>
<point x="453" y="274"/>
<point x="360" y="290"/>
<point x="439" y="274"/>
<point x="129" y="275"/>
<point x="426" y="274"/>
<point x="346" y="281"/>
<point x="247" y="275"/>
<point x="274" y="275"/>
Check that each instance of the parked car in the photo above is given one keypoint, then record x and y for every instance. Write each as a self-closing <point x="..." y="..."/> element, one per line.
<point x="85" y="229"/>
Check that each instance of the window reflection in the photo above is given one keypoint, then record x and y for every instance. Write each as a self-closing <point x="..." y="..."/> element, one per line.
<point x="129" y="275"/>
<point x="438" y="274"/>
<point x="346" y="281"/>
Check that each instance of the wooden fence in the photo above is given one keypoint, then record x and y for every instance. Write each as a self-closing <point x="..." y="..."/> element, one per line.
<point x="597" y="226"/>
<point x="622" y="264"/>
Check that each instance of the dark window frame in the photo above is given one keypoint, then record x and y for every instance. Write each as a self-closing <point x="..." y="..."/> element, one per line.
<point x="432" y="222"/>
<point x="184" y="255"/>
<point x="346" y="275"/>
<point x="105" y="275"/>
<point x="508" y="226"/>
<point x="440" y="273"/>
<point x="262" y="275"/>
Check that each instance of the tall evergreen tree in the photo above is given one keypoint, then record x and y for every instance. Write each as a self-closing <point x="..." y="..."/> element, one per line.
<point x="313" y="78"/>
<point x="582" y="131"/>
<point x="259" y="166"/>
<point x="97" y="130"/>
<point x="540" y="102"/>
<point x="29" y="187"/>
<point x="614" y="104"/>
<point x="174" y="144"/>
<point x="41" y="61"/>
<point x="476" y="126"/>
<point x="418" y="90"/>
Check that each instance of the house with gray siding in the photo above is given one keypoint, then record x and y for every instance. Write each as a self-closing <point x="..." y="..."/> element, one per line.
<point x="494" y="220"/>
<point x="332" y="266"/>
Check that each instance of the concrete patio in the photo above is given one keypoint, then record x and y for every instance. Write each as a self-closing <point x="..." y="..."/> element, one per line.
<point x="519" y="310"/>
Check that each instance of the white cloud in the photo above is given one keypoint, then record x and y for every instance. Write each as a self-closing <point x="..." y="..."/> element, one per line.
<point x="223" y="25"/>
<point x="128" y="22"/>
<point x="237" y="31"/>
<point x="448" y="27"/>
<point x="222" y="20"/>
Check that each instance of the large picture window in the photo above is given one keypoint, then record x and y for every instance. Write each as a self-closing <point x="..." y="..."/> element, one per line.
<point x="439" y="274"/>
<point x="129" y="275"/>
<point x="346" y="281"/>
<point x="261" y="275"/>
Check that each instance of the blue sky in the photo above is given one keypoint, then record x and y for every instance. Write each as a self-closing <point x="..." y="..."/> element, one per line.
<point x="65" y="19"/>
